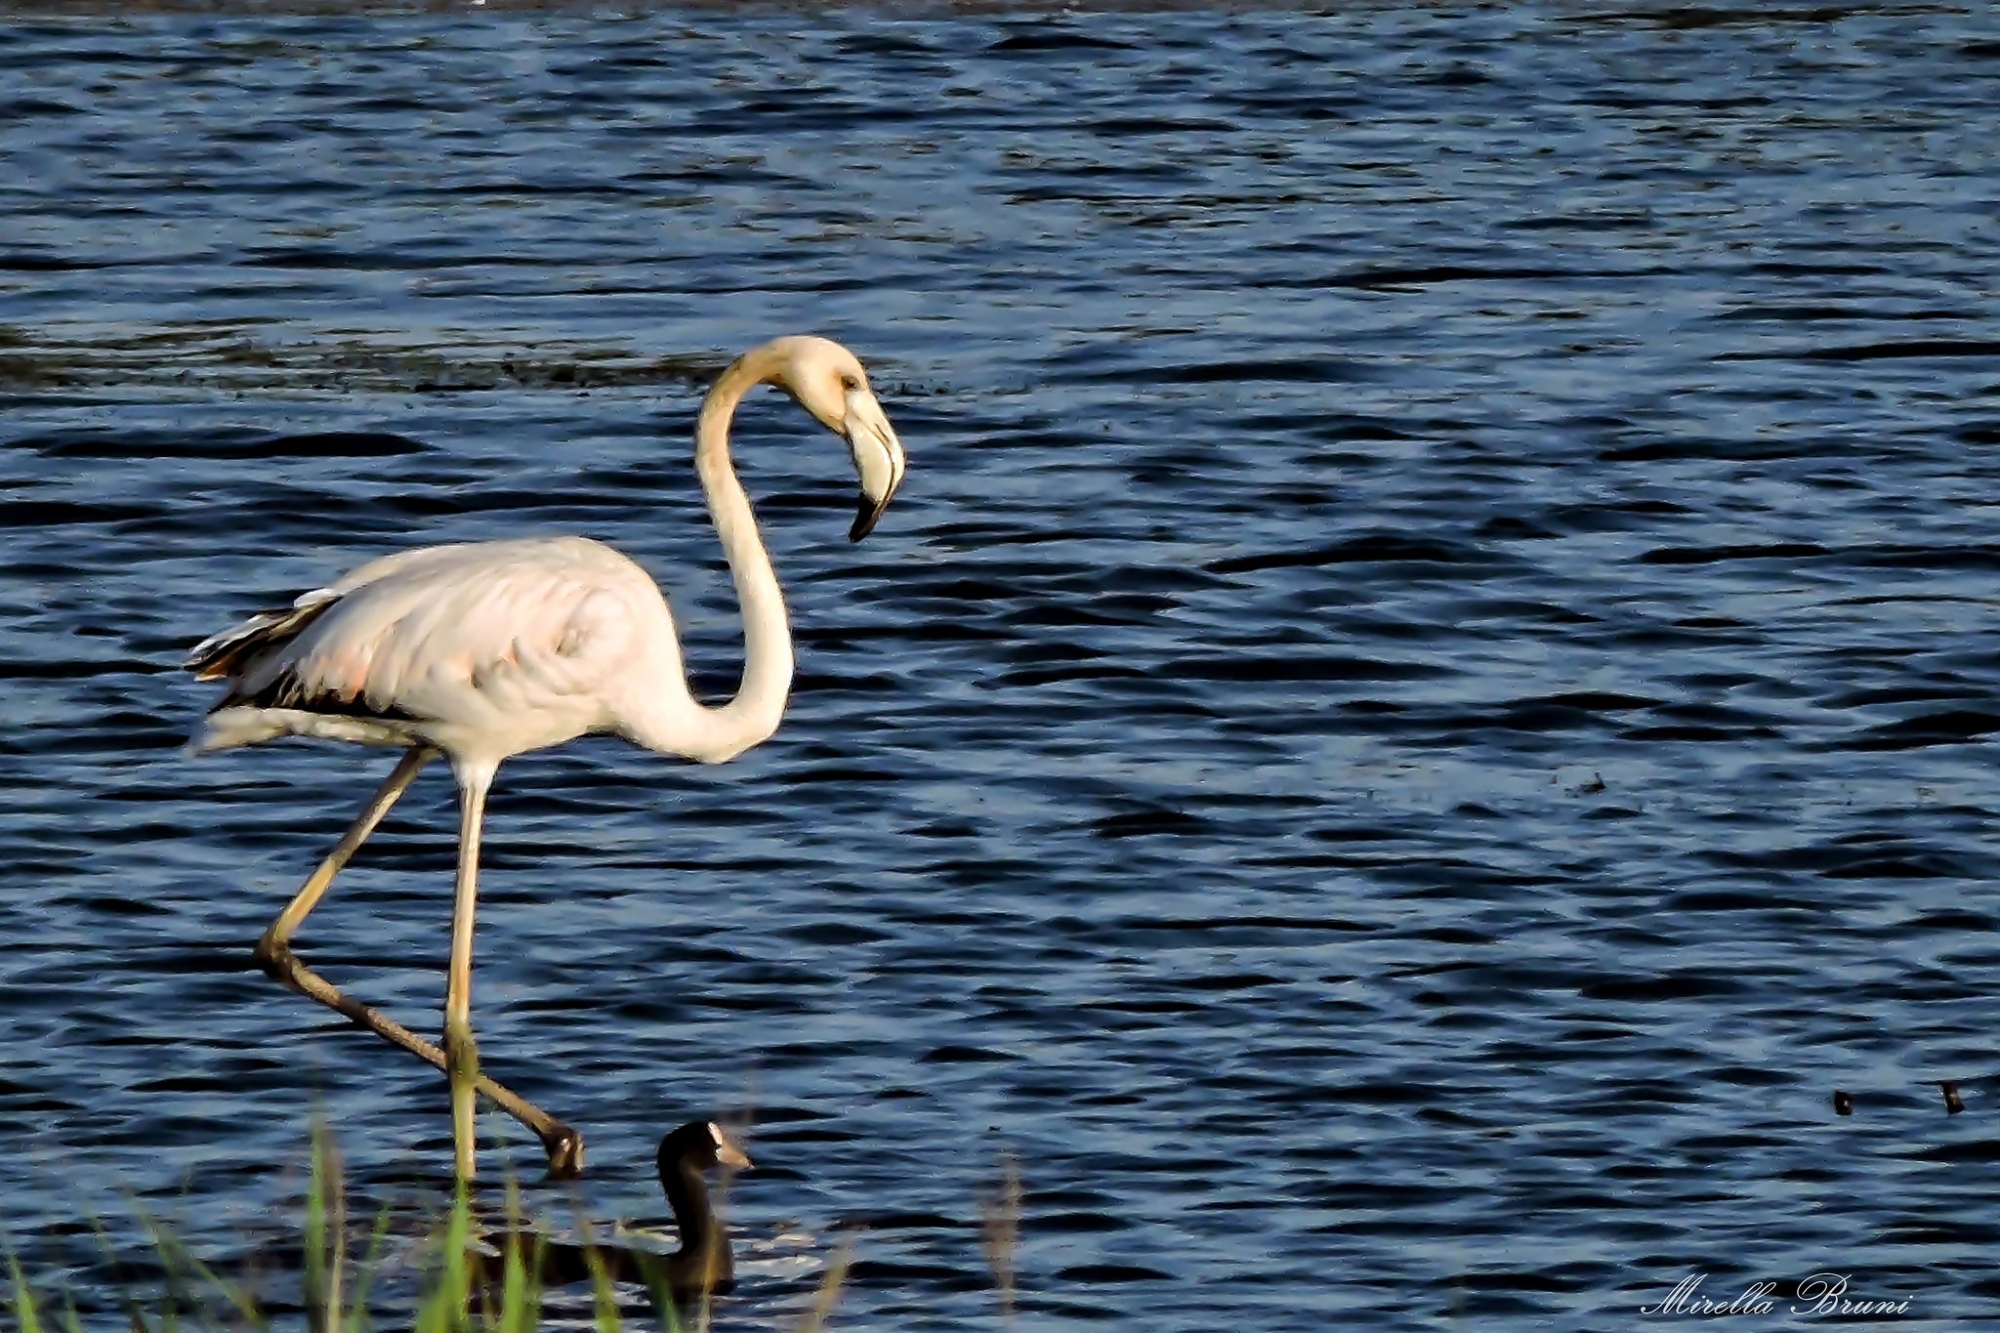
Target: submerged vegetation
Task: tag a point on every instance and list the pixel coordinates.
(465, 1284)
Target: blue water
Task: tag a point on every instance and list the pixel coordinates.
(1424, 705)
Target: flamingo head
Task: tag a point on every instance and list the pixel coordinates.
(829, 382)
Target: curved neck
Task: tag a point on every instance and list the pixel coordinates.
(701, 1235)
(753, 714)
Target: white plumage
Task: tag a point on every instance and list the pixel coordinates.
(486, 650)
(481, 651)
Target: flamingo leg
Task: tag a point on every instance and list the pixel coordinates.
(274, 955)
(461, 1053)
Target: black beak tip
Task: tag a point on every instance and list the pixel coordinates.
(864, 519)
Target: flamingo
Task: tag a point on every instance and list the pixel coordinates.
(482, 651)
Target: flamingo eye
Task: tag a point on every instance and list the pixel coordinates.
(850, 381)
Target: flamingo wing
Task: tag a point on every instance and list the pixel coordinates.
(494, 635)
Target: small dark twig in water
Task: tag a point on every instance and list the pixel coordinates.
(1842, 1103)
(1952, 1104)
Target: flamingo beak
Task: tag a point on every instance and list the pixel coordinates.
(878, 459)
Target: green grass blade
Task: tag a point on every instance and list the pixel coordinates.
(364, 1273)
(24, 1299)
(181, 1264)
(521, 1286)
(603, 1298)
(133, 1313)
(322, 1287)
(448, 1308)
